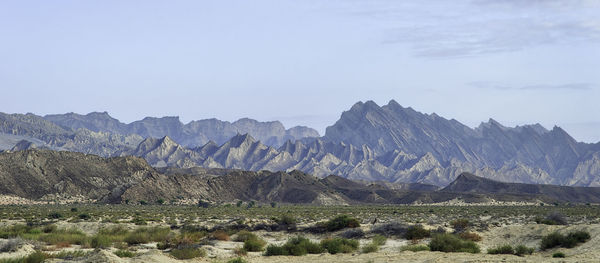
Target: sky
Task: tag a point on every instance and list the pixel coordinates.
(305, 62)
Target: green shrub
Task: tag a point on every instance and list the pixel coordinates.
(254, 244)
(137, 238)
(274, 250)
(452, 243)
(339, 245)
(370, 248)
(244, 235)
(295, 246)
(122, 253)
(101, 241)
(558, 255)
(504, 249)
(188, 253)
(521, 250)
(414, 248)
(570, 240)
(416, 232)
(341, 222)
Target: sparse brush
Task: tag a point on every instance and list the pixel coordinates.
(341, 222)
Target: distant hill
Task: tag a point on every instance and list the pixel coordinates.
(469, 183)
(47, 175)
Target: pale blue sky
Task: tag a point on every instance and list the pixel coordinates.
(304, 62)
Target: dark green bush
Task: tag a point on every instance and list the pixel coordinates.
(559, 240)
(416, 232)
(452, 243)
(341, 222)
(558, 255)
(505, 249)
(339, 245)
(521, 250)
(274, 250)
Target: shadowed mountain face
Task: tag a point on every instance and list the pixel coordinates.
(369, 142)
(195, 133)
(469, 183)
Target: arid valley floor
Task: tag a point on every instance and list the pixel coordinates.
(164, 233)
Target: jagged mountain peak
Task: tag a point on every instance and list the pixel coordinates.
(241, 139)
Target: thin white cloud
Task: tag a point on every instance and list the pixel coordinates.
(443, 29)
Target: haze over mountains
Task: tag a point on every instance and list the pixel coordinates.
(369, 142)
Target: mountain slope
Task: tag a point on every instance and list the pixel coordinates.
(469, 183)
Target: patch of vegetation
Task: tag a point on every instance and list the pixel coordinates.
(68, 255)
(188, 253)
(339, 245)
(522, 250)
(295, 246)
(378, 240)
(341, 222)
(415, 248)
(254, 244)
(36, 257)
(559, 255)
(452, 243)
(570, 240)
(416, 232)
(504, 249)
(146, 235)
(244, 235)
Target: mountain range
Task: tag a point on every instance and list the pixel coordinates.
(369, 142)
(61, 176)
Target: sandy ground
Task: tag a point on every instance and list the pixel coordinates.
(528, 234)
